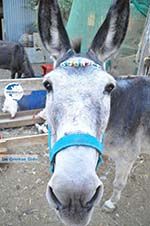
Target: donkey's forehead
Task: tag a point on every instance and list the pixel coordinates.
(79, 71)
(78, 60)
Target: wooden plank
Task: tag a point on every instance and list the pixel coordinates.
(20, 113)
(3, 150)
(28, 85)
(23, 118)
(6, 158)
(8, 143)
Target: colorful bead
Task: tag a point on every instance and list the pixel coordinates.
(79, 62)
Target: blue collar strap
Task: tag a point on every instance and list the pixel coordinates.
(73, 140)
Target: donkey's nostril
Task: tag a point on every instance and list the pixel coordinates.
(95, 197)
(53, 198)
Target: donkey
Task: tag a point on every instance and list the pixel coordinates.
(14, 58)
(85, 102)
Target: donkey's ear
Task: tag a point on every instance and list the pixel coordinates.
(112, 32)
(51, 28)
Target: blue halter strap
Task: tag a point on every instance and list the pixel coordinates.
(70, 140)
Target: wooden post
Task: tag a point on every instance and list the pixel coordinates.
(9, 143)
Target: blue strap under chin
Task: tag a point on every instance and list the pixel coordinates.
(73, 140)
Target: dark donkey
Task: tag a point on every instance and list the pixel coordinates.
(14, 58)
(78, 106)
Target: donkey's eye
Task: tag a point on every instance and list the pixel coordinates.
(109, 87)
(48, 85)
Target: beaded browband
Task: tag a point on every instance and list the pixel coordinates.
(71, 59)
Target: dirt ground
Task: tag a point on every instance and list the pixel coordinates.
(22, 190)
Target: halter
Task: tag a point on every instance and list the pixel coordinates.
(75, 139)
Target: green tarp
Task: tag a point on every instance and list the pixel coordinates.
(86, 16)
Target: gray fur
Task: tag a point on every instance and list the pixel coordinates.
(128, 130)
(14, 58)
(76, 103)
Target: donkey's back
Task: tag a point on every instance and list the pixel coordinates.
(130, 113)
(128, 132)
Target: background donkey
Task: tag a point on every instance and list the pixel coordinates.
(14, 58)
(78, 101)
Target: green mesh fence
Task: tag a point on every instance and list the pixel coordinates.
(142, 6)
(85, 18)
(125, 61)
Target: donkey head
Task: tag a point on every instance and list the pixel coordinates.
(78, 102)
